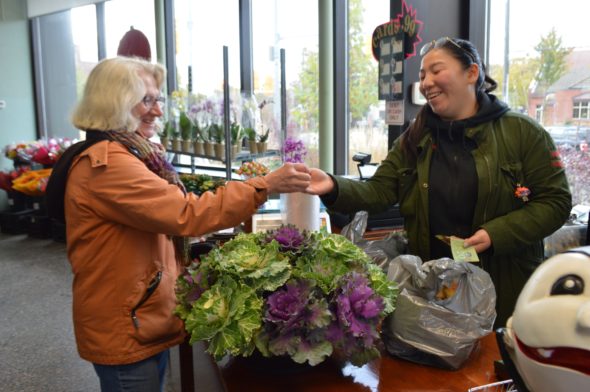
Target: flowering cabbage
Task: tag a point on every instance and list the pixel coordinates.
(287, 293)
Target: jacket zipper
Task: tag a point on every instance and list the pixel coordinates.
(149, 291)
(485, 208)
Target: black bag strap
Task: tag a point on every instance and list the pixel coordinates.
(56, 186)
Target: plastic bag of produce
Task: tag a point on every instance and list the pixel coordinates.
(442, 311)
(381, 251)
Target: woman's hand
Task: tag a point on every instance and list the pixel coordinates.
(321, 183)
(480, 240)
(291, 177)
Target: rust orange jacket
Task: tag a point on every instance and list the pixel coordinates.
(119, 215)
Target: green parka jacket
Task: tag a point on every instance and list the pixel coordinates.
(511, 151)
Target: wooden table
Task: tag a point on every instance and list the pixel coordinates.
(386, 374)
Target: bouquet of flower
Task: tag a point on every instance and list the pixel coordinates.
(48, 152)
(6, 178)
(44, 152)
(32, 182)
(21, 153)
(287, 293)
(252, 169)
(294, 150)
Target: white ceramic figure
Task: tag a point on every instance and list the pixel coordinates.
(548, 335)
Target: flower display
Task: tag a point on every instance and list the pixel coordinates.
(6, 178)
(43, 152)
(294, 151)
(21, 153)
(305, 295)
(32, 182)
(200, 183)
(252, 169)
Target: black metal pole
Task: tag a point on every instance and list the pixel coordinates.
(283, 99)
(226, 114)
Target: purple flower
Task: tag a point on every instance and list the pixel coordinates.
(287, 305)
(294, 151)
(288, 237)
(357, 309)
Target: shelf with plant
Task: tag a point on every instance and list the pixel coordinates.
(251, 135)
(186, 132)
(237, 134)
(198, 140)
(262, 144)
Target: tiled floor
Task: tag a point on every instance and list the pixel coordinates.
(37, 346)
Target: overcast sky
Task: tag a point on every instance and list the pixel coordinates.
(531, 19)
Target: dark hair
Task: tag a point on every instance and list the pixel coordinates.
(466, 53)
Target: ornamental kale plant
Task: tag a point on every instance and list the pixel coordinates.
(287, 293)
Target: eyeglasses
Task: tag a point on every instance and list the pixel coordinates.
(437, 43)
(149, 101)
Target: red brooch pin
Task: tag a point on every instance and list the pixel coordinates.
(522, 192)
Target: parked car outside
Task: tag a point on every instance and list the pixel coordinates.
(570, 136)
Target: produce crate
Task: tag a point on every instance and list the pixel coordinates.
(16, 222)
(39, 204)
(17, 201)
(39, 225)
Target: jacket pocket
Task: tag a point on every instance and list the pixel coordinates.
(151, 287)
(407, 196)
(151, 314)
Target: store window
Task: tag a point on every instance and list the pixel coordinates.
(203, 28)
(367, 129)
(548, 75)
(122, 15)
(278, 25)
(85, 43)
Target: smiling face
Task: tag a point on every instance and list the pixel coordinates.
(448, 86)
(148, 113)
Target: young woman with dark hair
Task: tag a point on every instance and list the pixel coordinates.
(466, 167)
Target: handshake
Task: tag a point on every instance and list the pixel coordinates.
(297, 177)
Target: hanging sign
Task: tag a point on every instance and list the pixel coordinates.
(394, 112)
(393, 42)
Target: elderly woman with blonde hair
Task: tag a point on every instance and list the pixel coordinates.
(127, 216)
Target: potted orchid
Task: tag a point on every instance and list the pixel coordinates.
(299, 209)
(186, 132)
(236, 138)
(262, 143)
(287, 293)
(251, 135)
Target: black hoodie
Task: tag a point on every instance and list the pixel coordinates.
(452, 191)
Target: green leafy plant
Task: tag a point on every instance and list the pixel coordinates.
(250, 134)
(197, 133)
(236, 133)
(186, 127)
(167, 130)
(264, 137)
(286, 292)
(216, 133)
